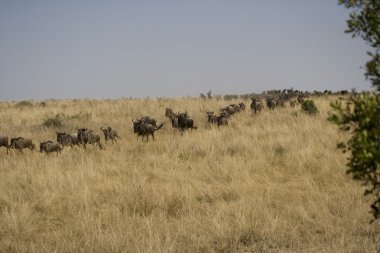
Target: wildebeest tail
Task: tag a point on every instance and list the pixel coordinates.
(159, 127)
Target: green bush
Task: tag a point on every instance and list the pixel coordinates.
(24, 103)
(55, 120)
(309, 107)
(360, 115)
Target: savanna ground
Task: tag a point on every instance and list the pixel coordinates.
(271, 182)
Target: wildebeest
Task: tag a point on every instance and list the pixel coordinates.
(21, 143)
(235, 107)
(148, 120)
(49, 146)
(255, 105)
(211, 117)
(169, 113)
(221, 121)
(67, 139)
(271, 103)
(172, 116)
(4, 142)
(86, 136)
(242, 106)
(145, 119)
(224, 113)
(110, 133)
(174, 120)
(300, 99)
(145, 129)
(185, 122)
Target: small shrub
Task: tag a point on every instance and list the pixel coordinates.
(24, 103)
(84, 116)
(55, 120)
(309, 107)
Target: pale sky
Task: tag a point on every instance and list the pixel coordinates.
(113, 49)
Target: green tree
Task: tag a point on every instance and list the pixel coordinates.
(360, 113)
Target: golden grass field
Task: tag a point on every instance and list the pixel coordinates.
(271, 182)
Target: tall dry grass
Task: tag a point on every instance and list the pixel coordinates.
(271, 182)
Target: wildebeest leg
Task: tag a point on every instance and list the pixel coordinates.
(153, 135)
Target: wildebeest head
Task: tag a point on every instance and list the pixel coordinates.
(169, 112)
(136, 123)
(4, 142)
(60, 135)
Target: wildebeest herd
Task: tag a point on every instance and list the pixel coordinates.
(146, 126)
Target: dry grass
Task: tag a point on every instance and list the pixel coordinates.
(272, 182)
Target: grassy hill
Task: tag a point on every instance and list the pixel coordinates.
(271, 182)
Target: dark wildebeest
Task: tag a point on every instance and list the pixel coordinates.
(110, 133)
(300, 99)
(174, 120)
(67, 139)
(221, 121)
(235, 107)
(169, 113)
(271, 103)
(146, 120)
(144, 129)
(172, 116)
(211, 117)
(229, 109)
(242, 106)
(21, 143)
(224, 113)
(86, 136)
(4, 142)
(255, 105)
(49, 146)
(185, 122)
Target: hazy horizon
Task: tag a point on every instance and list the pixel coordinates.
(116, 49)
